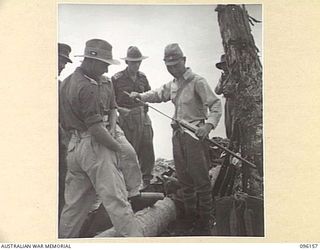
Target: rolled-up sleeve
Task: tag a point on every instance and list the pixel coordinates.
(89, 101)
(210, 100)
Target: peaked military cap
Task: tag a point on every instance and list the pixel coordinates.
(172, 54)
(64, 51)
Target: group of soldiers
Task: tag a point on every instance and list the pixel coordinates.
(106, 137)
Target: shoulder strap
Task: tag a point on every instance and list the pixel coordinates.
(179, 91)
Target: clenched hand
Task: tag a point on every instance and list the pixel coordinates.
(203, 131)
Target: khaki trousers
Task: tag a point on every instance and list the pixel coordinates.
(191, 160)
(138, 130)
(129, 164)
(92, 170)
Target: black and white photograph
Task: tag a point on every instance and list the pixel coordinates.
(154, 124)
(161, 129)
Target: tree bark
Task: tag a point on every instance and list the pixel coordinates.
(152, 220)
(245, 78)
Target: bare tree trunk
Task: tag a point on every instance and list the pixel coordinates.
(245, 71)
(152, 220)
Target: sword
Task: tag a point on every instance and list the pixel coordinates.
(193, 128)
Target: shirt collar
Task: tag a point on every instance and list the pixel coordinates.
(186, 75)
(126, 72)
(89, 78)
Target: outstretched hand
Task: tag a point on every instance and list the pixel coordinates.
(135, 95)
(203, 131)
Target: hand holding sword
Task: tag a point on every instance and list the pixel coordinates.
(203, 132)
(133, 95)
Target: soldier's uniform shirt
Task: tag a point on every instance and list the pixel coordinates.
(137, 124)
(128, 163)
(195, 103)
(82, 104)
(92, 167)
(122, 82)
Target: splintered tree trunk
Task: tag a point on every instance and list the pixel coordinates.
(246, 78)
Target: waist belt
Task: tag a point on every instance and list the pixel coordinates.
(175, 125)
(178, 130)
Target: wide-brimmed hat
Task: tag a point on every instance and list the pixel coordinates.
(100, 50)
(64, 51)
(134, 54)
(172, 54)
(222, 62)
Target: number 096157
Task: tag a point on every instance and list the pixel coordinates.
(308, 246)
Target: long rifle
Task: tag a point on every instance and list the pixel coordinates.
(193, 128)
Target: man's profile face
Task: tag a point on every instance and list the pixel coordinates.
(61, 64)
(133, 66)
(178, 69)
(99, 67)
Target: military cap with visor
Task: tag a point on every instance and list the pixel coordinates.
(172, 54)
(64, 51)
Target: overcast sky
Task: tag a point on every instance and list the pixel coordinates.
(151, 28)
